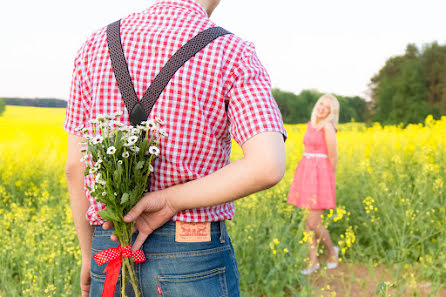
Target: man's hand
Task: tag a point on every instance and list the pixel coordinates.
(85, 278)
(150, 213)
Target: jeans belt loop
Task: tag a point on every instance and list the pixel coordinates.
(222, 231)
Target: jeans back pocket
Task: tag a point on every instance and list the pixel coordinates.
(211, 283)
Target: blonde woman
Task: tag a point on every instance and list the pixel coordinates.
(313, 186)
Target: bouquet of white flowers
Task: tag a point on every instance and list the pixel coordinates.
(120, 159)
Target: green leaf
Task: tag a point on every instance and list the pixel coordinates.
(139, 165)
(109, 215)
(124, 198)
(86, 171)
(117, 174)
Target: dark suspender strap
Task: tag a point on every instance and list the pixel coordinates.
(140, 110)
(119, 66)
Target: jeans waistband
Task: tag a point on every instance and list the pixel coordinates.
(169, 229)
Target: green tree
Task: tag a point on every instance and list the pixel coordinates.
(410, 87)
(433, 62)
(2, 106)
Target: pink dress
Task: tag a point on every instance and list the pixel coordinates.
(313, 185)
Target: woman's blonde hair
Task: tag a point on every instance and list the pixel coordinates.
(334, 112)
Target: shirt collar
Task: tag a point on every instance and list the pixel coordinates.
(185, 4)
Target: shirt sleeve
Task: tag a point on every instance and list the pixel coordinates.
(78, 102)
(252, 108)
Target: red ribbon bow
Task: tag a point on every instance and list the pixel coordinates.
(114, 258)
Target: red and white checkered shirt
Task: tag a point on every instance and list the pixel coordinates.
(222, 92)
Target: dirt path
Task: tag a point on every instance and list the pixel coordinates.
(357, 280)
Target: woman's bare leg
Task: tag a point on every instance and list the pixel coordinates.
(314, 223)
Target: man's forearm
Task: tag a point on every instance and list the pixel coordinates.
(259, 169)
(79, 205)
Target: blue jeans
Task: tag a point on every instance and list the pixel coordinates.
(176, 269)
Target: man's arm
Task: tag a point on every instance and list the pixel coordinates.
(74, 172)
(261, 167)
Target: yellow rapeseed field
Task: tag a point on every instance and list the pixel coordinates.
(390, 196)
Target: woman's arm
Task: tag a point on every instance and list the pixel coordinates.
(330, 139)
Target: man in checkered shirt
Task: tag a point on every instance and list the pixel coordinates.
(223, 92)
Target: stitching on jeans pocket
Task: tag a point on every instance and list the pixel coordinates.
(177, 284)
(188, 253)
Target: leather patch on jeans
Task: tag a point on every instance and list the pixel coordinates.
(193, 232)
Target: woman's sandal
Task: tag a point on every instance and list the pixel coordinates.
(308, 271)
(333, 265)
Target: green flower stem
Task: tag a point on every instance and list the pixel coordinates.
(126, 234)
(124, 280)
(147, 177)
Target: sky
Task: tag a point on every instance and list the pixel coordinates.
(331, 46)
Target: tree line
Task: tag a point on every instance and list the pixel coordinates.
(37, 102)
(297, 108)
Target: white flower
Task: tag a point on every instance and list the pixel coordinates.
(78, 129)
(134, 149)
(84, 130)
(117, 114)
(104, 193)
(93, 121)
(99, 161)
(93, 170)
(83, 149)
(159, 121)
(163, 132)
(108, 117)
(101, 182)
(151, 168)
(132, 139)
(102, 126)
(111, 150)
(134, 131)
(118, 123)
(141, 127)
(154, 150)
(83, 159)
(112, 124)
(151, 125)
(120, 162)
(100, 117)
(125, 154)
(124, 129)
(98, 139)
